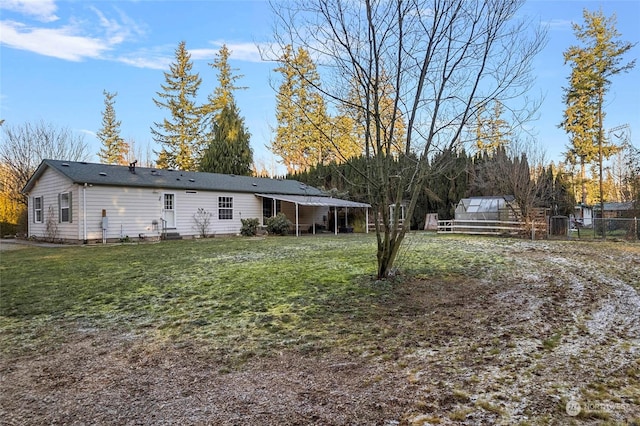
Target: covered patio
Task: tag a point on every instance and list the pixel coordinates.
(318, 203)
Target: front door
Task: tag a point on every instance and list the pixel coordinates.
(169, 210)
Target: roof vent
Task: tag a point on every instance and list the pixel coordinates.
(102, 174)
(192, 180)
(65, 164)
(254, 184)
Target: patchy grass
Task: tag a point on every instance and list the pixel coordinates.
(254, 294)
(476, 330)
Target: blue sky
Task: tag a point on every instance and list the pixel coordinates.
(57, 57)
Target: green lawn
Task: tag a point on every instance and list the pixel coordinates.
(250, 294)
(504, 330)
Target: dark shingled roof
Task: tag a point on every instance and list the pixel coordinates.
(111, 175)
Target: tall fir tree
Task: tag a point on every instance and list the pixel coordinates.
(383, 111)
(223, 94)
(114, 149)
(179, 135)
(599, 58)
(227, 140)
(302, 134)
(229, 151)
(492, 131)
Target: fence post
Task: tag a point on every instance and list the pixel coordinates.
(533, 230)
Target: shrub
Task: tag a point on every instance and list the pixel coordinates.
(278, 225)
(249, 226)
(202, 220)
(7, 228)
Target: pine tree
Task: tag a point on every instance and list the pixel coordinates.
(592, 66)
(114, 148)
(302, 134)
(229, 151)
(227, 147)
(180, 135)
(222, 95)
(492, 132)
(383, 111)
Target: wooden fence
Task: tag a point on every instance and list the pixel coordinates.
(490, 227)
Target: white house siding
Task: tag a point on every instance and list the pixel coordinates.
(131, 212)
(187, 204)
(50, 184)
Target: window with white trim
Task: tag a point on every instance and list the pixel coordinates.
(225, 208)
(37, 209)
(64, 213)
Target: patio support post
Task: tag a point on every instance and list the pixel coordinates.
(346, 217)
(297, 224)
(335, 221)
(366, 219)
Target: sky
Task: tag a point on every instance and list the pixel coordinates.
(57, 58)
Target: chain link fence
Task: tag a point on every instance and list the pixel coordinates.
(614, 228)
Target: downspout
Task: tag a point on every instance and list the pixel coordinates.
(84, 213)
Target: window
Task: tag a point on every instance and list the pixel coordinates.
(64, 204)
(37, 209)
(168, 201)
(225, 208)
(268, 205)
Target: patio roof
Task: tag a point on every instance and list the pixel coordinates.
(308, 200)
(317, 201)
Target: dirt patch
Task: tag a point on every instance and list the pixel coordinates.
(513, 346)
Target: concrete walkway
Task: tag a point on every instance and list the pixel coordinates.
(7, 244)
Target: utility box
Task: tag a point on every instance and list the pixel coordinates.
(105, 223)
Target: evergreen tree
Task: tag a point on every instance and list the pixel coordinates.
(222, 95)
(447, 183)
(493, 131)
(229, 151)
(383, 111)
(227, 147)
(302, 134)
(114, 148)
(592, 66)
(179, 135)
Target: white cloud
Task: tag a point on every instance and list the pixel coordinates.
(78, 40)
(88, 132)
(42, 10)
(143, 61)
(247, 52)
(558, 24)
(118, 31)
(57, 42)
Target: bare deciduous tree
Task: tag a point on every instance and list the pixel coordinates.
(440, 60)
(23, 147)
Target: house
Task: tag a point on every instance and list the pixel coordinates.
(582, 216)
(613, 210)
(80, 201)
